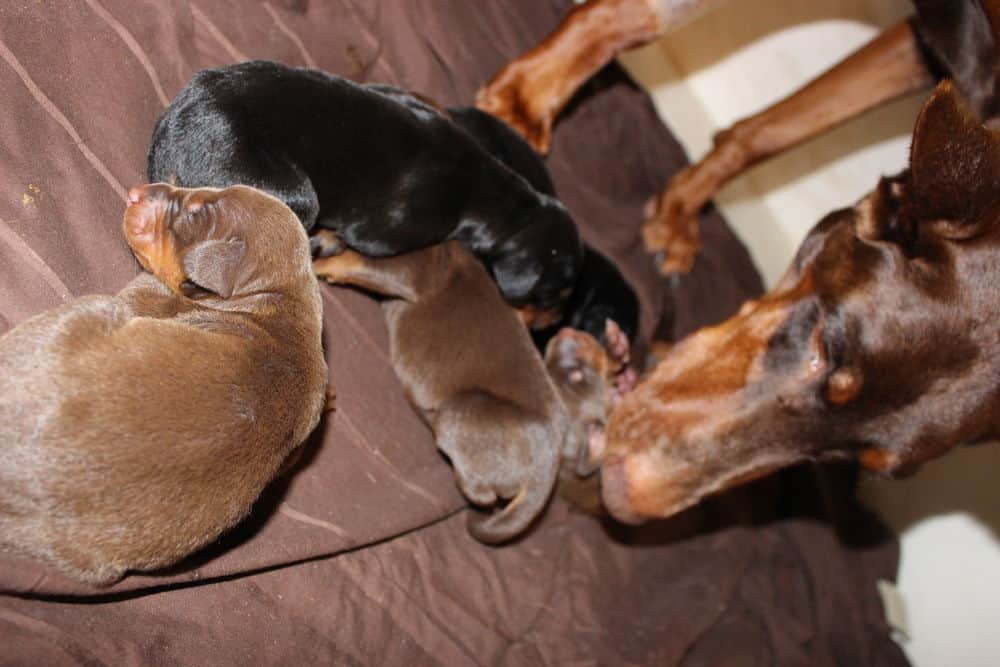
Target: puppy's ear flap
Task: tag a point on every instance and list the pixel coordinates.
(215, 265)
(517, 273)
(954, 166)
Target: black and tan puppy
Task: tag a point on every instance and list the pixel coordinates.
(600, 292)
(469, 367)
(136, 428)
(385, 172)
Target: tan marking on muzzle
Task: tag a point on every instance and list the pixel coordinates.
(534, 317)
(843, 386)
(634, 488)
(663, 434)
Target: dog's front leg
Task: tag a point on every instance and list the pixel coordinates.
(886, 68)
(531, 90)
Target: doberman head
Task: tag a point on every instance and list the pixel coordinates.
(879, 344)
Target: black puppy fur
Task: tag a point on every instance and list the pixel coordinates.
(384, 171)
(600, 292)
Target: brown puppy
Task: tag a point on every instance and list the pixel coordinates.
(136, 428)
(590, 379)
(469, 367)
(879, 344)
(953, 38)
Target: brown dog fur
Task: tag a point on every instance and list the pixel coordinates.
(885, 69)
(878, 345)
(469, 367)
(529, 92)
(946, 39)
(136, 428)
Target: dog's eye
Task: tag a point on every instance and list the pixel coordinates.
(815, 362)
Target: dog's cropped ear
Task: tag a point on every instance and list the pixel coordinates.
(954, 166)
(214, 265)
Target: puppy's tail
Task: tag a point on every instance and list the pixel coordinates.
(522, 510)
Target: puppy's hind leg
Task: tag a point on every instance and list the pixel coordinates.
(325, 243)
(498, 451)
(397, 277)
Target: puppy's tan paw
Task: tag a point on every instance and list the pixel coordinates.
(510, 98)
(337, 268)
(325, 243)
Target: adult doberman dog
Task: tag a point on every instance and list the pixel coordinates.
(948, 38)
(877, 345)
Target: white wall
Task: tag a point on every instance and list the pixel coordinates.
(733, 62)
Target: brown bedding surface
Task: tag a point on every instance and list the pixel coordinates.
(361, 555)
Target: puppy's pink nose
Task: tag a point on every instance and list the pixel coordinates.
(149, 193)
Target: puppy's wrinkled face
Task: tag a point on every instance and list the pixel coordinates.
(877, 345)
(206, 242)
(585, 374)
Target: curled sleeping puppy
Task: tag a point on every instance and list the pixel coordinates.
(590, 379)
(383, 171)
(468, 366)
(136, 428)
(600, 291)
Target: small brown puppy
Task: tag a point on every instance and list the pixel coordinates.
(469, 367)
(136, 428)
(590, 379)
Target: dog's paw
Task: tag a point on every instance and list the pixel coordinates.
(616, 343)
(324, 243)
(671, 233)
(476, 491)
(510, 98)
(338, 268)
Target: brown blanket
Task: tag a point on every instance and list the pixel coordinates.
(359, 557)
